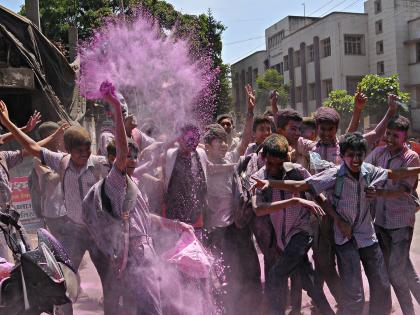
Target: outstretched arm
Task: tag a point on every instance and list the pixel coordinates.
(177, 226)
(264, 208)
(360, 100)
(247, 132)
(403, 172)
(288, 185)
(34, 120)
(27, 143)
(274, 98)
(121, 145)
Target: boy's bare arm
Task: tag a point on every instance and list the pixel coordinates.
(34, 120)
(247, 132)
(288, 185)
(274, 98)
(403, 172)
(121, 144)
(360, 100)
(27, 143)
(380, 128)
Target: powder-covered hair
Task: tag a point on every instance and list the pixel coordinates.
(275, 146)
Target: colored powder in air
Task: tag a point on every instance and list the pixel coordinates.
(156, 73)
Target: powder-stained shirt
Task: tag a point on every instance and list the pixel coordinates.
(252, 148)
(77, 181)
(352, 206)
(397, 212)
(12, 159)
(288, 221)
(116, 190)
(186, 194)
(219, 194)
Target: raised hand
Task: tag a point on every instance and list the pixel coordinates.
(360, 100)
(274, 97)
(107, 91)
(4, 113)
(393, 102)
(312, 206)
(250, 95)
(34, 120)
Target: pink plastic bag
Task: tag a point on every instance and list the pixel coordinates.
(190, 257)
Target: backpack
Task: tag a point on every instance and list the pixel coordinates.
(109, 232)
(338, 190)
(242, 207)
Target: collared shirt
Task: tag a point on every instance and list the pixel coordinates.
(116, 190)
(352, 206)
(219, 194)
(291, 220)
(12, 159)
(393, 213)
(77, 182)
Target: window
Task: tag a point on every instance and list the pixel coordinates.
(377, 6)
(276, 39)
(311, 55)
(297, 58)
(351, 83)
(311, 90)
(281, 34)
(281, 68)
(417, 52)
(298, 94)
(380, 47)
(255, 74)
(354, 44)
(286, 63)
(326, 47)
(380, 67)
(327, 87)
(378, 27)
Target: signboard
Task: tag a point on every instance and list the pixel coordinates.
(21, 200)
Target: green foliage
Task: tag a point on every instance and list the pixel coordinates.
(203, 31)
(377, 89)
(340, 101)
(271, 80)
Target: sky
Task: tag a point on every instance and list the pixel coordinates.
(246, 20)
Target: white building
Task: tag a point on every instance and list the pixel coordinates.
(317, 55)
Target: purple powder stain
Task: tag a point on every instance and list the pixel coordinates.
(160, 76)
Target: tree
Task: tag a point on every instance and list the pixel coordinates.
(377, 88)
(203, 31)
(342, 103)
(269, 81)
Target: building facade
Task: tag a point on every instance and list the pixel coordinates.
(317, 55)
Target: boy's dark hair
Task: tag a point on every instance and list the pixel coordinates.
(354, 141)
(76, 136)
(214, 131)
(285, 115)
(150, 129)
(259, 120)
(399, 123)
(132, 146)
(47, 128)
(308, 123)
(275, 146)
(327, 115)
(224, 116)
(111, 149)
(188, 127)
(268, 112)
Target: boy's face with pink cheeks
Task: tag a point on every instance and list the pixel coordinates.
(189, 140)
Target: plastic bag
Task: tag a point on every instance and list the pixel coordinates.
(190, 257)
(317, 164)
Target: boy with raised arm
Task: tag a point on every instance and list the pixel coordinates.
(79, 171)
(348, 186)
(132, 256)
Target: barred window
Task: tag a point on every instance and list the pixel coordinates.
(354, 44)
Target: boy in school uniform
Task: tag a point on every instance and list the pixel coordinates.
(348, 186)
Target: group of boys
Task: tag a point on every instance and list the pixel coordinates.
(324, 195)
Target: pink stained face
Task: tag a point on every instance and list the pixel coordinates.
(189, 140)
(291, 131)
(395, 139)
(354, 159)
(262, 132)
(327, 133)
(217, 148)
(80, 155)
